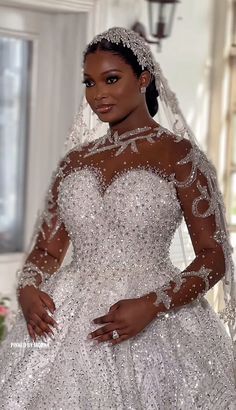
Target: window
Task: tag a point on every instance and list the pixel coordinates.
(230, 176)
(15, 55)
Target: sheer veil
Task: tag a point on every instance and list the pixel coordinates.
(87, 128)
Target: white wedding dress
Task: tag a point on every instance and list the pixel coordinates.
(121, 238)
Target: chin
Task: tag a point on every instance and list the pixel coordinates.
(108, 118)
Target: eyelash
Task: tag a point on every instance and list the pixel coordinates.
(86, 82)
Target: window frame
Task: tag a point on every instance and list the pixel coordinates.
(230, 167)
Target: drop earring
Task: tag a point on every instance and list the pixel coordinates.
(143, 90)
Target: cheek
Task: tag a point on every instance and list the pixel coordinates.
(89, 96)
(127, 93)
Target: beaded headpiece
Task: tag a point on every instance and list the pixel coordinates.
(129, 39)
(145, 58)
(81, 133)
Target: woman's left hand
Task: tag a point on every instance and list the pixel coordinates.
(128, 317)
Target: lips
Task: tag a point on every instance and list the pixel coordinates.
(103, 109)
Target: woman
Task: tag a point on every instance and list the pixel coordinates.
(134, 331)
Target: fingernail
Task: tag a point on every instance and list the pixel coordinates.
(51, 328)
(89, 336)
(51, 336)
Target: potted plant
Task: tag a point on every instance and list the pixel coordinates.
(4, 312)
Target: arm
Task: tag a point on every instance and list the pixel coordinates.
(194, 178)
(51, 239)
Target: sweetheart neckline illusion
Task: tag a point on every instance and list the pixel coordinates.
(100, 179)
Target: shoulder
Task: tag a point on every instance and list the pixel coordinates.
(180, 156)
(176, 146)
(170, 149)
(189, 162)
(75, 158)
(181, 150)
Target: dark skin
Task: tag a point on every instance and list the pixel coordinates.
(110, 80)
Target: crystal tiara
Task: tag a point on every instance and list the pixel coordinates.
(129, 39)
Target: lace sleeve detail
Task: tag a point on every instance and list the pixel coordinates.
(203, 208)
(178, 281)
(50, 239)
(50, 217)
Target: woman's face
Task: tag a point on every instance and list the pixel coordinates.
(112, 88)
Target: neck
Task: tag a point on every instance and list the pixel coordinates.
(133, 121)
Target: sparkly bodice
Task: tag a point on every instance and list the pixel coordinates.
(120, 200)
(133, 220)
(120, 210)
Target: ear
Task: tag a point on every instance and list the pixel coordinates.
(145, 79)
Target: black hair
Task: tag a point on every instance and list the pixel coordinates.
(128, 56)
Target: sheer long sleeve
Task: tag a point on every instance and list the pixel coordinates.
(203, 209)
(50, 239)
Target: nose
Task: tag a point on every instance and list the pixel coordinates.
(100, 93)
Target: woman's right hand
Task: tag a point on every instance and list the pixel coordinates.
(34, 304)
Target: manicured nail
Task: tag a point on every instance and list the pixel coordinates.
(51, 337)
(51, 330)
(89, 337)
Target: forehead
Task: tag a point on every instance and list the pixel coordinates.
(101, 61)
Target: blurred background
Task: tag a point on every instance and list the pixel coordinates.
(41, 44)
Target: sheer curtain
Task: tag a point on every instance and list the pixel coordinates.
(15, 54)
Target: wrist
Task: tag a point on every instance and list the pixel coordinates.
(21, 289)
(30, 275)
(150, 300)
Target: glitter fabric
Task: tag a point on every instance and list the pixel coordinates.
(120, 213)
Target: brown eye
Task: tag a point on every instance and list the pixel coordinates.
(87, 83)
(112, 79)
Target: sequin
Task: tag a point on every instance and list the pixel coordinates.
(121, 231)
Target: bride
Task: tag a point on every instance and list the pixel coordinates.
(124, 328)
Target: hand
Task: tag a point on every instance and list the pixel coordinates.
(34, 303)
(128, 317)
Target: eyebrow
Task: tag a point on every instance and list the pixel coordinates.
(105, 72)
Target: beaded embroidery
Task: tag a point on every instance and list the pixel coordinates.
(121, 241)
(162, 295)
(197, 159)
(129, 39)
(27, 276)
